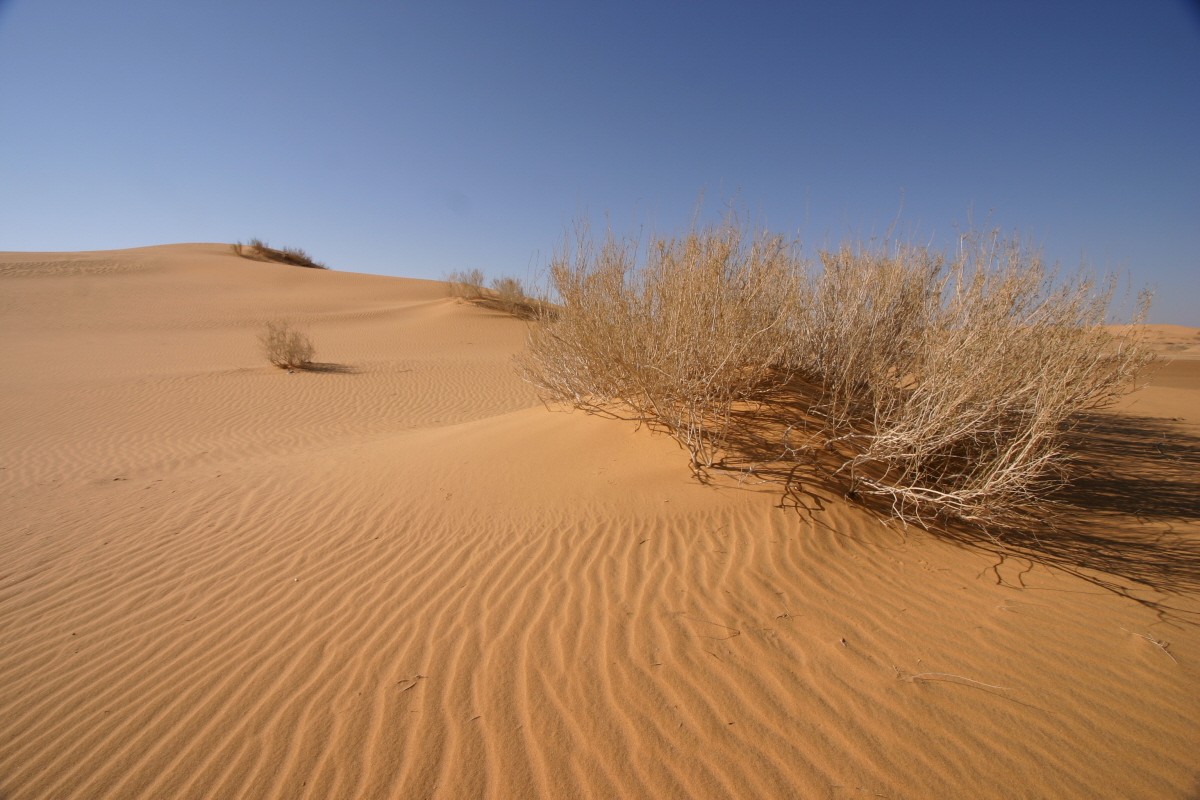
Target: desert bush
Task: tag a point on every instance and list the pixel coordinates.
(285, 346)
(509, 295)
(947, 385)
(508, 290)
(677, 341)
(467, 284)
(943, 385)
(259, 250)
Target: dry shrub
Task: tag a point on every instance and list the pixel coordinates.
(943, 385)
(508, 291)
(509, 295)
(285, 346)
(506, 294)
(676, 341)
(259, 250)
(467, 284)
(947, 386)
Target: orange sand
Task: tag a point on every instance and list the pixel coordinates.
(402, 577)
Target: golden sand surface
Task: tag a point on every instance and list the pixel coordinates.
(400, 576)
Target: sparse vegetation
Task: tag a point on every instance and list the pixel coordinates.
(286, 346)
(507, 294)
(258, 250)
(467, 284)
(942, 385)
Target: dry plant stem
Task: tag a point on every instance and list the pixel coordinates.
(945, 676)
(1159, 643)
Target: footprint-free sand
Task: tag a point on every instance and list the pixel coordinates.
(401, 576)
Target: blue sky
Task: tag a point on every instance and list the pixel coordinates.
(417, 138)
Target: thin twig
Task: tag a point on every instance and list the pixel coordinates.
(945, 676)
(1159, 643)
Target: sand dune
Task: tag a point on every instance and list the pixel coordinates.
(402, 577)
(1173, 341)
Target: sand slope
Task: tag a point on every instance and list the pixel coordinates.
(403, 577)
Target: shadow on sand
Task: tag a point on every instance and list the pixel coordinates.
(1135, 482)
(337, 369)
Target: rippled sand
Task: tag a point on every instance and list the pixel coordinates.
(403, 577)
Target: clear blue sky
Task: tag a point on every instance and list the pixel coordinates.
(416, 138)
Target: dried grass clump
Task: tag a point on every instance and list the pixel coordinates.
(676, 341)
(507, 294)
(259, 250)
(467, 284)
(947, 386)
(285, 346)
(944, 386)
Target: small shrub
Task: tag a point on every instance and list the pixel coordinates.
(285, 346)
(507, 289)
(259, 250)
(507, 294)
(467, 284)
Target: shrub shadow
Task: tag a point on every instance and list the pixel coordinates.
(1144, 466)
(526, 309)
(1133, 482)
(338, 369)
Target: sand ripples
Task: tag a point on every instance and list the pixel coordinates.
(287, 640)
(404, 582)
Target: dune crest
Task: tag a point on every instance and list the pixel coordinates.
(401, 576)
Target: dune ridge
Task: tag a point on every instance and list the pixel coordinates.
(406, 578)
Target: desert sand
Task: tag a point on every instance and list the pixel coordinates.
(401, 576)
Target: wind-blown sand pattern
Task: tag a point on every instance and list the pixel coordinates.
(402, 577)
